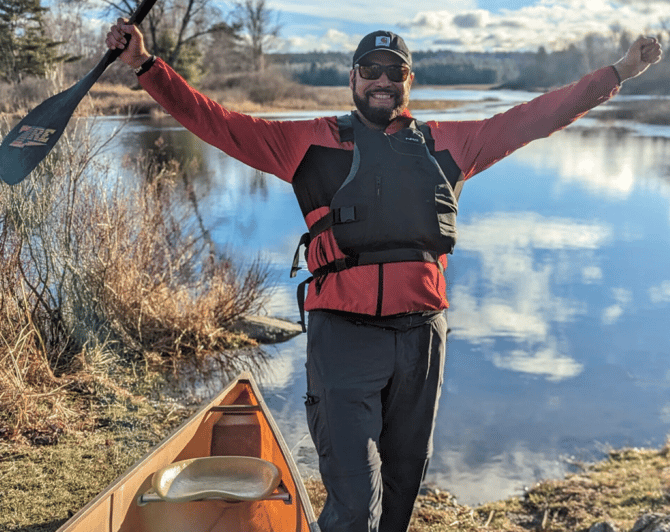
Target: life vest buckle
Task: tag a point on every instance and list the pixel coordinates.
(346, 215)
(340, 264)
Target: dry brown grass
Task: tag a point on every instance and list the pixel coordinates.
(95, 276)
(630, 483)
(247, 94)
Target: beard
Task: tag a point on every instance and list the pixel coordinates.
(381, 116)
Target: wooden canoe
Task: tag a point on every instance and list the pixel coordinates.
(237, 423)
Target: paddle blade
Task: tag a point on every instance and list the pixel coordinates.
(33, 138)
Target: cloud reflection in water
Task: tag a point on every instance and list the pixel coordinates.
(514, 299)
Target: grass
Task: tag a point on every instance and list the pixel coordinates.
(251, 93)
(41, 486)
(618, 490)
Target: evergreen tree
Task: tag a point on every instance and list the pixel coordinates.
(24, 48)
(187, 61)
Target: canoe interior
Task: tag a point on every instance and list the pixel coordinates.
(216, 430)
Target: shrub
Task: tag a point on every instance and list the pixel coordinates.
(95, 274)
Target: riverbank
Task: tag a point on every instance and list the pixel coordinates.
(106, 99)
(44, 483)
(116, 99)
(609, 496)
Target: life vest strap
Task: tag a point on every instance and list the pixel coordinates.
(305, 239)
(301, 302)
(342, 215)
(373, 257)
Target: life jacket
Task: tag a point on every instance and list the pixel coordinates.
(395, 205)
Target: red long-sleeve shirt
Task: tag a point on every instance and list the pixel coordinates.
(310, 155)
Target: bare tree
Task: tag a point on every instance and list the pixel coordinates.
(70, 20)
(176, 28)
(260, 27)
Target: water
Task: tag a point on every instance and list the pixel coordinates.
(560, 294)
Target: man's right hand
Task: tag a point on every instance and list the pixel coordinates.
(134, 52)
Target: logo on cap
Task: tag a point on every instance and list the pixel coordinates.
(383, 41)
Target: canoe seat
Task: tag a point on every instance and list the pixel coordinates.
(231, 478)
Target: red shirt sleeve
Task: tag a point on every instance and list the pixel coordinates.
(275, 147)
(476, 145)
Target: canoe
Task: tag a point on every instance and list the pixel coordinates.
(227, 468)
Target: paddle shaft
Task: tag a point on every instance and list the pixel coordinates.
(25, 146)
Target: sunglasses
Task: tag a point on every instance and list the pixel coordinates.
(395, 73)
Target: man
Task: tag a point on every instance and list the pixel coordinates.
(379, 195)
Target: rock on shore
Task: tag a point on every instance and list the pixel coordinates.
(646, 523)
(267, 330)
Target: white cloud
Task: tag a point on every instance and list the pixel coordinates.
(622, 297)
(591, 274)
(494, 478)
(332, 39)
(552, 23)
(660, 293)
(545, 361)
(462, 26)
(665, 413)
(383, 13)
(529, 230)
(602, 163)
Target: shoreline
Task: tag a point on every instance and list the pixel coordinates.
(326, 99)
(41, 484)
(106, 99)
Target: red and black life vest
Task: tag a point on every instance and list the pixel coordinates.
(395, 205)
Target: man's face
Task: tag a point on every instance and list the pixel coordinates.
(381, 100)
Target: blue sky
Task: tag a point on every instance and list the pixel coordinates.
(476, 25)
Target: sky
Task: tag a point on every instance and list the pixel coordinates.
(463, 25)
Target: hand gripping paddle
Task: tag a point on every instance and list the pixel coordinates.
(33, 138)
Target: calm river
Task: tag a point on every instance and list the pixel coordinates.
(559, 286)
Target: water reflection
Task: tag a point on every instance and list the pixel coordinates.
(608, 164)
(510, 298)
(560, 298)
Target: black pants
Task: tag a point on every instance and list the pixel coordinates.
(371, 404)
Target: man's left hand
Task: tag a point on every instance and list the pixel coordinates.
(644, 52)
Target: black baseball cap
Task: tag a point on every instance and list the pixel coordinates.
(382, 40)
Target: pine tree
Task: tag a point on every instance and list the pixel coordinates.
(24, 48)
